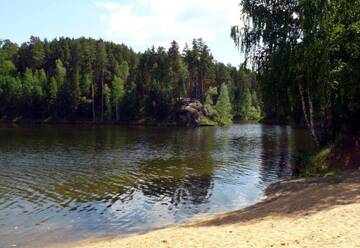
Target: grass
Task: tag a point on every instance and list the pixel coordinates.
(315, 163)
(207, 122)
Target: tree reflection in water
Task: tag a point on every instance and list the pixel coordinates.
(60, 182)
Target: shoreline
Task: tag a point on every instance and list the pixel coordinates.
(96, 123)
(135, 123)
(320, 212)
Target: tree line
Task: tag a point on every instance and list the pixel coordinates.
(307, 57)
(87, 79)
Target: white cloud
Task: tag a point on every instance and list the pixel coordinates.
(143, 23)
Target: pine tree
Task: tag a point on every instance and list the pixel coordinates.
(100, 73)
(175, 63)
(74, 91)
(122, 71)
(40, 82)
(118, 86)
(37, 53)
(65, 76)
(85, 85)
(118, 93)
(209, 103)
(27, 92)
(107, 102)
(184, 77)
(39, 90)
(10, 96)
(246, 104)
(60, 73)
(52, 95)
(62, 96)
(74, 82)
(53, 90)
(41, 78)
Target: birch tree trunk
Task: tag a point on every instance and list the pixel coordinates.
(308, 114)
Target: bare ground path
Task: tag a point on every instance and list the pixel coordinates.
(297, 213)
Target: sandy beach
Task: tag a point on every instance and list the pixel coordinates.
(296, 213)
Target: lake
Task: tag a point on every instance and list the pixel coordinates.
(67, 183)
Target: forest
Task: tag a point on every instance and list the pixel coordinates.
(95, 80)
(307, 57)
(105, 145)
(302, 67)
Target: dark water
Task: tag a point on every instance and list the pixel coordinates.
(69, 183)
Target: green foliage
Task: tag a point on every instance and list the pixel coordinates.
(249, 106)
(93, 79)
(27, 86)
(85, 85)
(178, 71)
(6, 67)
(183, 79)
(314, 163)
(74, 82)
(246, 104)
(107, 100)
(118, 92)
(159, 103)
(52, 93)
(10, 95)
(205, 121)
(74, 91)
(123, 71)
(41, 79)
(118, 87)
(130, 104)
(209, 103)
(37, 52)
(63, 96)
(53, 90)
(307, 54)
(60, 73)
(223, 107)
(39, 84)
(201, 69)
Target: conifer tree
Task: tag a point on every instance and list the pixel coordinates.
(223, 106)
(52, 95)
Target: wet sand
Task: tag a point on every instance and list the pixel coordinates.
(296, 213)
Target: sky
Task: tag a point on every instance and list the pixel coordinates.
(139, 24)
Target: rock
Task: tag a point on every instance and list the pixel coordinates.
(190, 112)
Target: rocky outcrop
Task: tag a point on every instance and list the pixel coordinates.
(190, 112)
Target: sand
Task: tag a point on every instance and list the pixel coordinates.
(297, 213)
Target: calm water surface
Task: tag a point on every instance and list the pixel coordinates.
(68, 183)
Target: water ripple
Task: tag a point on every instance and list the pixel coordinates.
(93, 181)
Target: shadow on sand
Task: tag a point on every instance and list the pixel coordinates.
(296, 198)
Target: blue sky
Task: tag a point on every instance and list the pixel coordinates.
(138, 23)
